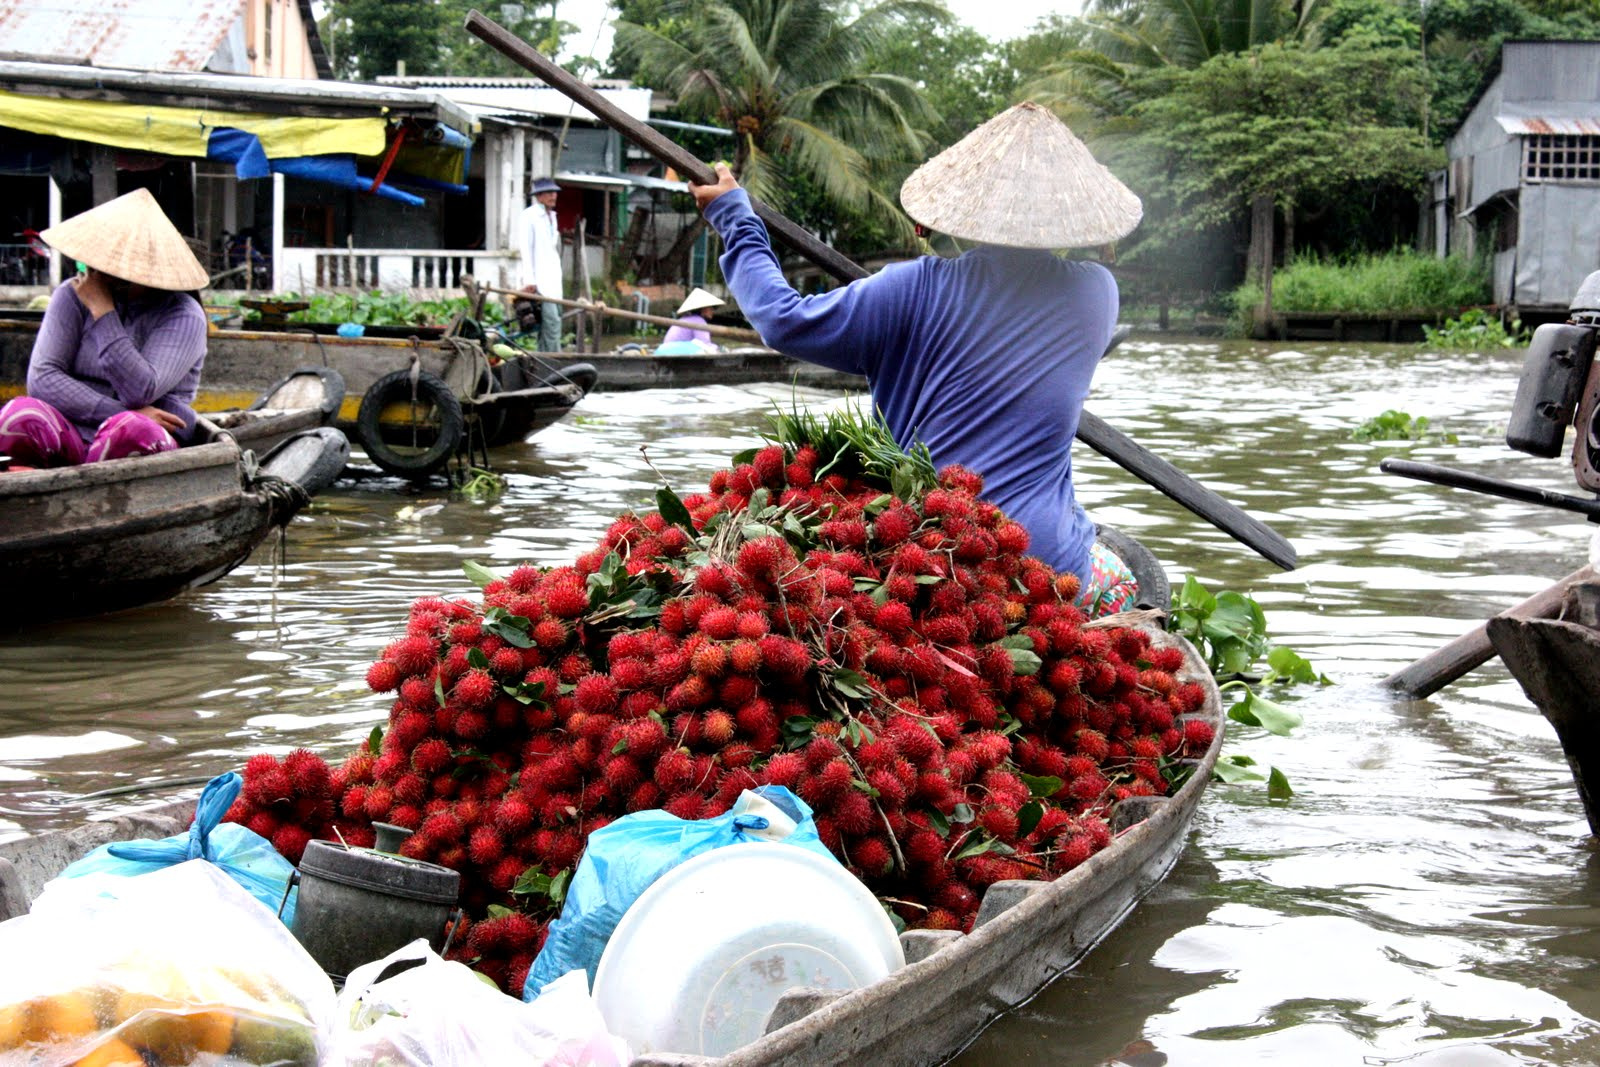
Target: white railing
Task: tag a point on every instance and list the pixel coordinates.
(416, 271)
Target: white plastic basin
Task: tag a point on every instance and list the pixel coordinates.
(697, 963)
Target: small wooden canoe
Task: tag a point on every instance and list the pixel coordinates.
(624, 371)
(953, 984)
(102, 536)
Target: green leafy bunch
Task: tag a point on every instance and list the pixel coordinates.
(854, 444)
(1230, 630)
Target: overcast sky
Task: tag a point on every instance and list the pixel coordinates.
(997, 19)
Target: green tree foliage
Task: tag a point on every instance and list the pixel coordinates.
(370, 38)
(535, 21)
(1282, 121)
(1122, 38)
(963, 75)
(790, 78)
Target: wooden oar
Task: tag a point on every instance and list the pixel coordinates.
(1473, 649)
(1111, 443)
(733, 333)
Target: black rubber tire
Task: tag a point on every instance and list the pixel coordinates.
(583, 375)
(425, 445)
(1155, 589)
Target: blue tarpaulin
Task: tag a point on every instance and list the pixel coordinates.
(250, 160)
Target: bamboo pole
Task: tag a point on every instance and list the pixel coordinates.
(734, 333)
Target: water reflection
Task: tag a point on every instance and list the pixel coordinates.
(1431, 894)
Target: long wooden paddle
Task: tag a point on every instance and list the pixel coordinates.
(1104, 439)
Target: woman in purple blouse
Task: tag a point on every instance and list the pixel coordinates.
(117, 361)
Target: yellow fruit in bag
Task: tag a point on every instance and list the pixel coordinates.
(13, 1019)
(177, 1034)
(111, 1053)
(60, 1018)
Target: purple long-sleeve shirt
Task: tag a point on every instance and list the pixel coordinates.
(985, 358)
(145, 352)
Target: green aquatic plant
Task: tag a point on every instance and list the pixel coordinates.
(481, 485)
(1395, 425)
(1230, 630)
(1475, 330)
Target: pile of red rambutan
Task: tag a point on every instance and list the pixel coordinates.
(867, 634)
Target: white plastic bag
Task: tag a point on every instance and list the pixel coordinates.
(181, 965)
(441, 1013)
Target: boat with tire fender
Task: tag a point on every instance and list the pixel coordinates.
(410, 402)
(98, 537)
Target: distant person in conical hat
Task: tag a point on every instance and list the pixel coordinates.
(986, 358)
(116, 364)
(694, 309)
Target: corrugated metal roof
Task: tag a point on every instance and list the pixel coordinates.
(131, 34)
(1520, 124)
(536, 100)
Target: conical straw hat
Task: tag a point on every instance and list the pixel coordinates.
(130, 238)
(696, 300)
(1021, 179)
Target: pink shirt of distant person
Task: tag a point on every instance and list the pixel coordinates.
(685, 333)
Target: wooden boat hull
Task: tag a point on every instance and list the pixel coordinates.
(97, 537)
(620, 372)
(953, 984)
(1557, 662)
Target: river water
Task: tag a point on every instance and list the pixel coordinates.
(1430, 895)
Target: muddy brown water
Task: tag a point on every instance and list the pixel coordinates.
(1430, 895)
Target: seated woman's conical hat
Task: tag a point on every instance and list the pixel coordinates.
(1021, 179)
(130, 238)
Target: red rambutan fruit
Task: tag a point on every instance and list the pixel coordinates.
(744, 656)
(784, 657)
(431, 756)
(290, 842)
(264, 824)
(268, 786)
(474, 689)
(596, 694)
(873, 856)
(1197, 735)
(550, 634)
(383, 676)
(783, 769)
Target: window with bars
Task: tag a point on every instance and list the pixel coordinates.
(1561, 157)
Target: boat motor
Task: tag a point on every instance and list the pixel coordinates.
(1559, 387)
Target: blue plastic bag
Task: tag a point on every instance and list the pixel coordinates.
(625, 858)
(244, 855)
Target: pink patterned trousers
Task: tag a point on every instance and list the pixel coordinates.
(36, 434)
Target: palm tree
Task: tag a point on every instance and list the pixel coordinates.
(1125, 37)
(788, 77)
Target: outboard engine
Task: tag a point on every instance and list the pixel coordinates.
(1559, 387)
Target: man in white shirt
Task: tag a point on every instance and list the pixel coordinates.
(541, 264)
